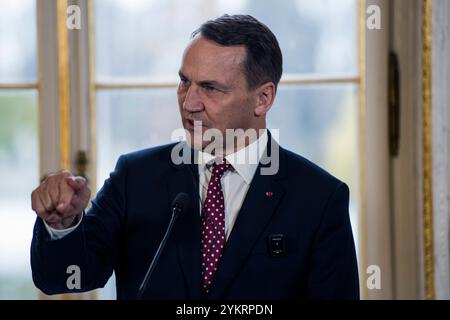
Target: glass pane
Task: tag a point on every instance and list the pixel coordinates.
(129, 120)
(145, 39)
(18, 54)
(320, 122)
(19, 169)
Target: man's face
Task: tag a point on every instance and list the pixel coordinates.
(213, 88)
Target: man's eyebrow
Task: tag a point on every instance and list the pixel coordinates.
(213, 83)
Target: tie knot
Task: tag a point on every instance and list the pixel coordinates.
(219, 167)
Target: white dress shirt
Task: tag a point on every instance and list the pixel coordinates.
(56, 234)
(235, 182)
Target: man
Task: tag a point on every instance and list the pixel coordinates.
(244, 235)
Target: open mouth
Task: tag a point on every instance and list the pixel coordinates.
(189, 124)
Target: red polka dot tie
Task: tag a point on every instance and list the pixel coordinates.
(213, 224)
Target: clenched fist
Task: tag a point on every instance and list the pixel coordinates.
(60, 199)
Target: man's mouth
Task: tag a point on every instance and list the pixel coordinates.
(190, 124)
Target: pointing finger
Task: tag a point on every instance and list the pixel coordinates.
(76, 183)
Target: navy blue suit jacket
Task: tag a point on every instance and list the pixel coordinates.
(128, 218)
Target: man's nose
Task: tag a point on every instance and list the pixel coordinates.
(192, 101)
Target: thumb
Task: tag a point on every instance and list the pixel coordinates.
(76, 183)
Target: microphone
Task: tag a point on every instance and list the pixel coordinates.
(179, 204)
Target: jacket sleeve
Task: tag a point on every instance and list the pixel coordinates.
(92, 248)
(333, 270)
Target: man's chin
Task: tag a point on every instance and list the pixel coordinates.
(194, 140)
(213, 144)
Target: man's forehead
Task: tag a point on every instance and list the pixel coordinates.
(212, 54)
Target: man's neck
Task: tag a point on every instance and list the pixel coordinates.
(238, 142)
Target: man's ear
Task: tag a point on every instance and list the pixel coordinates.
(265, 96)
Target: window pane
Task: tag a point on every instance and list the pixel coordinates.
(320, 122)
(19, 172)
(129, 120)
(145, 39)
(18, 41)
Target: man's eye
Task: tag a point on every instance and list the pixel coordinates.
(184, 82)
(209, 88)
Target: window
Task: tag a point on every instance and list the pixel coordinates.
(19, 145)
(138, 47)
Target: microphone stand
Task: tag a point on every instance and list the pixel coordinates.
(175, 211)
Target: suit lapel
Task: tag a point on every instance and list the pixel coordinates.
(260, 203)
(187, 233)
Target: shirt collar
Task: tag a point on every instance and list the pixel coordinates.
(245, 161)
